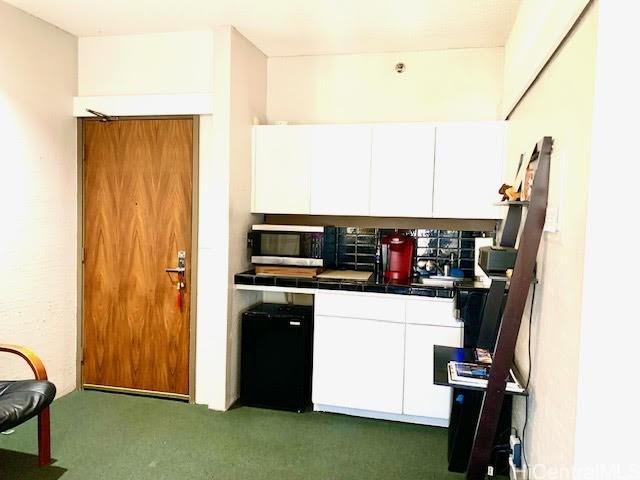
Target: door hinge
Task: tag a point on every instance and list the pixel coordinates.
(84, 251)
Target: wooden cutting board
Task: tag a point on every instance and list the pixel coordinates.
(270, 271)
(345, 275)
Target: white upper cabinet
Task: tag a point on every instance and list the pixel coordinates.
(468, 170)
(282, 169)
(386, 170)
(402, 157)
(340, 167)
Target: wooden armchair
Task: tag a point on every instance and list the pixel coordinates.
(23, 400)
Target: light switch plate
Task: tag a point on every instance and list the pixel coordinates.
(551, 223)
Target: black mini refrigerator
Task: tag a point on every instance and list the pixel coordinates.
(277, 352)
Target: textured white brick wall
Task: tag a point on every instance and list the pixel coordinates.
(38, 71)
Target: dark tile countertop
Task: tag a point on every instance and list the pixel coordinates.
(371, 286)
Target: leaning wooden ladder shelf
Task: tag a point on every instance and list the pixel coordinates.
(503, 354)
(509, 326)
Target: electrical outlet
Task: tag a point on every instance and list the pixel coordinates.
(515, 473)
(551, 223)
(517, 465)
(516, 450)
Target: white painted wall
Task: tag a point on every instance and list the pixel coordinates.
(537, 31)
(176, 64)
(213, 237)
(441, 85)
(161, 63)
(212, 260)
(248, 102)
(147, 105)
(608, 422)
(225, 202)
(560, 104)
(38, 199)
(224, 64)
(153, 74)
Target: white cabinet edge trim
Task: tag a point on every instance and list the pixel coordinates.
(287, 228)
(267, 288)
(396, 417)
(316, 291)
(383, 295)
(454, 324)
(351, 317)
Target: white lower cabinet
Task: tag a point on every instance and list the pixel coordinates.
(358, 363)
(369, 361)
(421, 397)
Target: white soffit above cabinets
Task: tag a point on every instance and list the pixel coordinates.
(295, 27)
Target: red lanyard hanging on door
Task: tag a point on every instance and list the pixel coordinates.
(181, 283)
(180, 286)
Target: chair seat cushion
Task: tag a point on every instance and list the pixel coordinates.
(22, 400)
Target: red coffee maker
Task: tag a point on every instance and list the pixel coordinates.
(397, 257)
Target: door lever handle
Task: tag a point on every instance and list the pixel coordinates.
(182, 263)
(175, 270)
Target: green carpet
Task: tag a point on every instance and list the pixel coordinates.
(106, 436)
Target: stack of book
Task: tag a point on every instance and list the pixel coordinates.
(477, 375)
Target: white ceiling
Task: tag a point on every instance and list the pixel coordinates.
(297, 27)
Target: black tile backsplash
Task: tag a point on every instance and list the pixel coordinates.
(357, 247)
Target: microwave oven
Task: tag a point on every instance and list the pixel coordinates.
(296, 245)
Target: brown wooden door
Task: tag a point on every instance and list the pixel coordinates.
(137, 216)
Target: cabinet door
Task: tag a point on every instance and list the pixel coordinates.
(468, 170)
(340, 166)
(358, 363)
(281, 169)
(402, 170)
(383, 307)
(421, 396)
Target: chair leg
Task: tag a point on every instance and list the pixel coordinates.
(44, 438)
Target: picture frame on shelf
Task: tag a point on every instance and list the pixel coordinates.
(527, 184)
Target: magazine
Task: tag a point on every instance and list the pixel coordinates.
(477, 375)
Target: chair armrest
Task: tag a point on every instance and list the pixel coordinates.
(30, 357)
